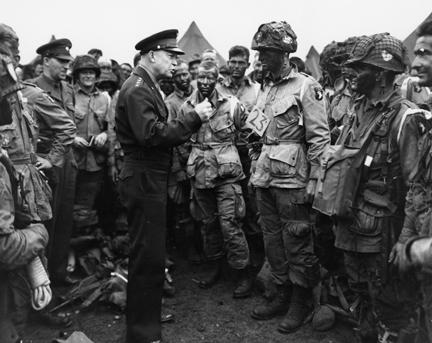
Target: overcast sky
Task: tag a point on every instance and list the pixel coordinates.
(115, 26)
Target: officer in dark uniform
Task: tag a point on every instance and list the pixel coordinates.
(147, 138)
(56, 59)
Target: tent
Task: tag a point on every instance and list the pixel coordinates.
(194, 43)
(409, 42)
(312, 63)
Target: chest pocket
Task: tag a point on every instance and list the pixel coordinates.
(286, 112)
(222, 127)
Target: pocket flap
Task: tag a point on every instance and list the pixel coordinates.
(287, 154)
(220, 123)
(125, 173)
(281, 106)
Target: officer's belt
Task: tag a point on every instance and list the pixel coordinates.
(283, 141)
(209, 146)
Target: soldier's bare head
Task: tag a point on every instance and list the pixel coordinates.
(208, 73)
(422, 64)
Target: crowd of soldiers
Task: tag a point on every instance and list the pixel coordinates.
(325, 184)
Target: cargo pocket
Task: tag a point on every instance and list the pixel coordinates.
(228, 162)
(368, 219)
(298, 229)
(283, 161)
(191, 165)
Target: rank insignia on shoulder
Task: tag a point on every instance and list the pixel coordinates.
(138, 82)
(319, 93)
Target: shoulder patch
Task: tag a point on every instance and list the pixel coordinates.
(319, 93)
(138, 82)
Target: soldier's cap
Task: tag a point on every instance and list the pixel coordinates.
(164, 40)
(196, 58)
(58, 48)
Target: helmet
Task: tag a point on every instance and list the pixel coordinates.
(334, 56)
(85, 62)
(9, 39)
(380, 50)
(108, 76)
(275, 35)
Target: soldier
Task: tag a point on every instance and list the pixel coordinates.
(146, 139)
(41, 121)
(90, 144)
(293, 124)
(215, 170)
(56, 60)
(241, 86)
(411, 250)
(25, 203)
(20, 242)
(178, 184)
(382, 132)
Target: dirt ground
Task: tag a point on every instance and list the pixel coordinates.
(210, 316)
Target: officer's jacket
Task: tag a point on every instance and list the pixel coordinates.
(91, 118)
(56, 129)
(174, 101)
(141, 121)
(297, 133)
(115, 152)
(62, 92)
(18, 244)
(386, 172)
(214, 159)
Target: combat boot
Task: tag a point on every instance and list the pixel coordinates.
(214, 272)
(298, 310)
(244, 284)
(275, 307)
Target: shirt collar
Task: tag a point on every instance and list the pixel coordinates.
(215, 99)
(228, 82)
(79, 89)
(182, 94)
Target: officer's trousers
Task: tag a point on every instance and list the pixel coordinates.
(61, 226)
(143, 191)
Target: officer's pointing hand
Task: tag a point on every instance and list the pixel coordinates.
(204, 110)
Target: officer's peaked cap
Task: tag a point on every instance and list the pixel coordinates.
(164, 40)
(58, 48)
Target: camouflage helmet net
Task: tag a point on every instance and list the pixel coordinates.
(276, 36)
(380, 50)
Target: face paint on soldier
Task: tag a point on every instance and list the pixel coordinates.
(164, 63)
(206, 81)
(56, 68)
(272, 61)
(363, 79)
(182, 77)
(237, 66)
(87, 79)
(422, 63)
